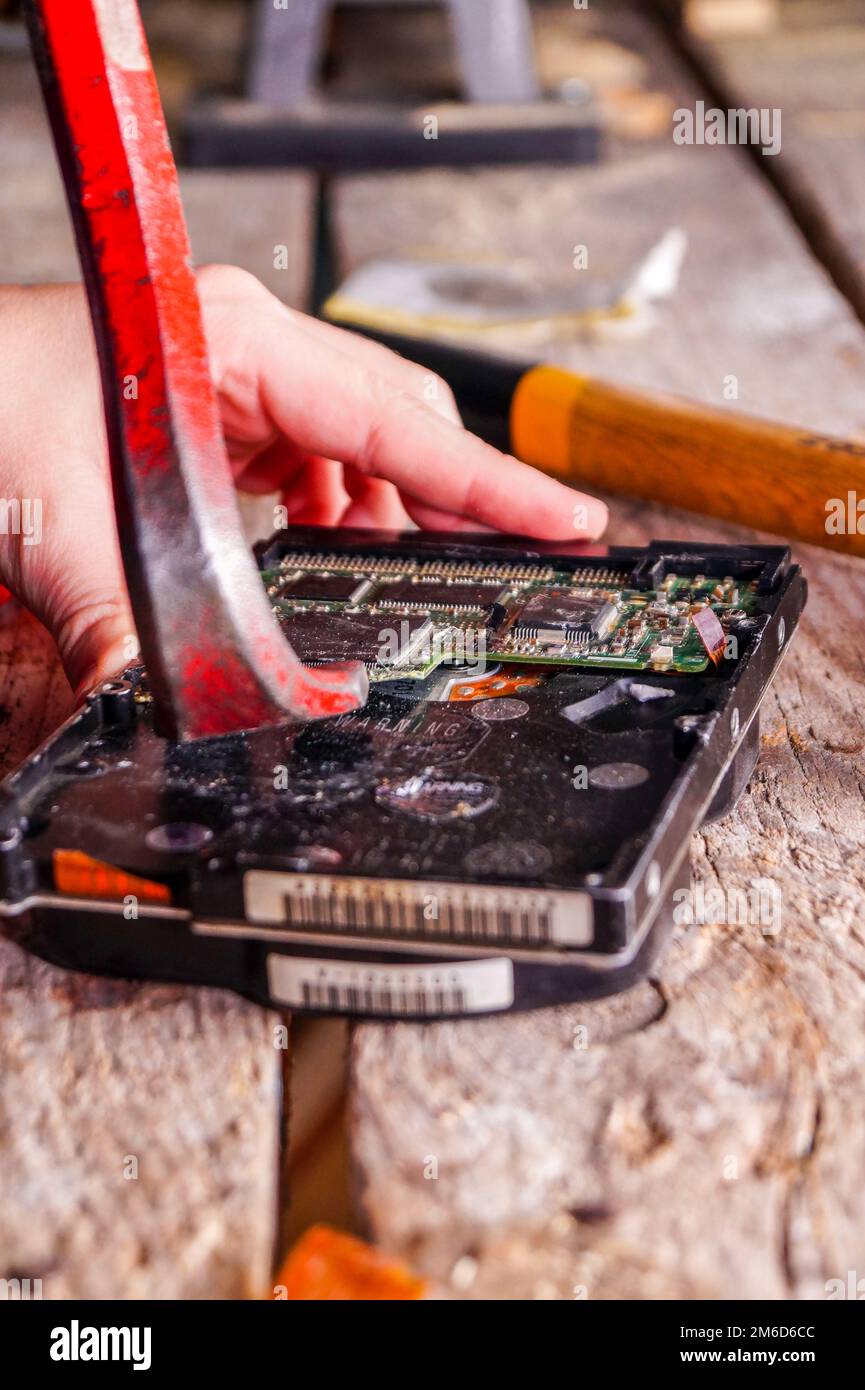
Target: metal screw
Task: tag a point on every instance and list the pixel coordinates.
(612, 777)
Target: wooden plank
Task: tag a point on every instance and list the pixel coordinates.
(812, 69)
(242, 218)
(138, 1123)
(95, 1073)
(707, 1141)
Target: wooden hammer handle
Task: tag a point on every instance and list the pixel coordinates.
(794, 482)
(797, 483)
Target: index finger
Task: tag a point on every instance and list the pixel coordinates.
(331, 404)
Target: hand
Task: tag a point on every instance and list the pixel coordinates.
(346, 431)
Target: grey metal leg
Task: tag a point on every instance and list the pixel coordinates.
(493, 40)
(495, 49)
(287, 47)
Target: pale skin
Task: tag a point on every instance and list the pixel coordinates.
(346, 431)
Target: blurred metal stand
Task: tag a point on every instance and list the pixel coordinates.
(493, 38)
(286, 119)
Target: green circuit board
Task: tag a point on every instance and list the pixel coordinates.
(405, 618)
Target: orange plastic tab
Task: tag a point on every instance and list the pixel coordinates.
(328, 1266)
(83, 877)
(510, 680)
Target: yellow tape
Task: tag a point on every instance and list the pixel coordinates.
(392, 319)
(542, 415)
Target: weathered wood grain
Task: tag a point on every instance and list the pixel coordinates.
(708, 1140)
(95, 1073)
(812, 69)
(242, 218)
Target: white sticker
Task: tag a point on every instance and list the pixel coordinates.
(408, 908)
(427, 991)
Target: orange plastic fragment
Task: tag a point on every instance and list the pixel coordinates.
(510, 680)
(327, 1266)
(85, 877)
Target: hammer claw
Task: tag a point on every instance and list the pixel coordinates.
(215, 655)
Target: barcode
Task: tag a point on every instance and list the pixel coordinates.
(427, 991)
(403, 908)
(364, 999)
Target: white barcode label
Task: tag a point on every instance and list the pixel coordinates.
(426, 991)
(405, 908)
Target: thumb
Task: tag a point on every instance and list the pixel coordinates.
(62, 560)
(58, 542)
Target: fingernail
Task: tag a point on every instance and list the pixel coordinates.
(599, 516)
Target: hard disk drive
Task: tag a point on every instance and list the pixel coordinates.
(502, 826)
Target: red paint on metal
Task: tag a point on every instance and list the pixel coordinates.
(216, 658)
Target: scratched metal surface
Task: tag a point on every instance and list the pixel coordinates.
(215, 655)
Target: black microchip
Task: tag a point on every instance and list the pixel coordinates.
(370, 637)
(557, 615)
(323, 588)
(437, 593)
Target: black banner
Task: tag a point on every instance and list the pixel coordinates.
(261, 1339)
